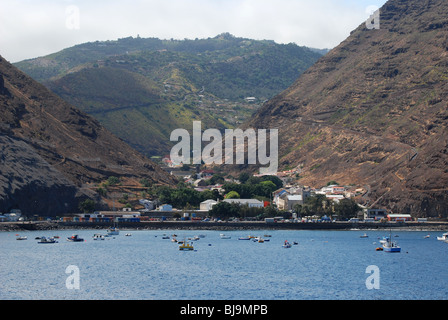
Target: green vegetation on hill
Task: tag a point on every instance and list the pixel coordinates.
(142, 89)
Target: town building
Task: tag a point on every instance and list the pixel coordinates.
(207, 205)
(251, 203)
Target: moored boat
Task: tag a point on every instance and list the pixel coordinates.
(46, 240)
(75, 238)
(444, 237)
(286, 244)
(364, 235)
(391, 246)
(185, 246)
(98, 236)
(223, 236)
(113, 231)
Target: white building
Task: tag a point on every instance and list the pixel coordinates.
(249, 202)
(207, 205)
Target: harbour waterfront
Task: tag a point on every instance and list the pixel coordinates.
(334, 265)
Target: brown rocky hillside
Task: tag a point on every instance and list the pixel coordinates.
(50, 152)
(374, 112)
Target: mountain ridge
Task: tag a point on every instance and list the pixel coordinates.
(173, 82)
(373, 112)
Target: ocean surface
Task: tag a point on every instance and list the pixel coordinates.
(335, 265)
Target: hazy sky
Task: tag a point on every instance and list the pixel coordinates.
(32, 28)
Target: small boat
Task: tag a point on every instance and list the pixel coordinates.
(444, 237)
(364, 236)
(45, 240)
(21, 238)
(98, 236)
(260, 240)
(295, 243)
(113, 231)
(267, 236)
(287, 244)
(379, 249)
(244, 238)
(186, 246)
(426, 237)
(128, 234)
(165, 236)
(75, 238)
(384, 240)
(223, 236)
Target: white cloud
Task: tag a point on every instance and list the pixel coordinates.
(31, 28)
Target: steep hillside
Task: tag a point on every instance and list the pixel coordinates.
(51, 152)
(373, 111)
(142, 89)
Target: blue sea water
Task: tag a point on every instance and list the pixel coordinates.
(324, 265)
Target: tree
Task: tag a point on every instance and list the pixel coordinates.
(232, 195)
(225, 210)
(87, 206)
(346, 208)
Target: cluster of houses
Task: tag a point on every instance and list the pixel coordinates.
(13, 216)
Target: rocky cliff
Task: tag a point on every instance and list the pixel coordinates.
(373, 112)
(49, 150)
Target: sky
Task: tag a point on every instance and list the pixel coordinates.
(33, 28)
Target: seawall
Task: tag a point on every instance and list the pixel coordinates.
(242, 225)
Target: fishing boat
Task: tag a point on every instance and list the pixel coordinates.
(98, 236)
(391, 246)
(364, 235)
(45, 240)
(185, 246)
(75, 238)
(444, 237)
(113, 231)
(287, 244)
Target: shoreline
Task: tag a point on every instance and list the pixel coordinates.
(224, 226)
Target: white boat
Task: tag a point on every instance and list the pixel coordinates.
(391, 246)
(45, 240)
(444, 237)
(384, 240)
(98, 236)
(22, 238)
(223, 236)
(364, 236)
